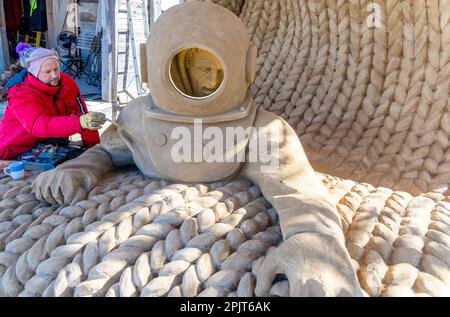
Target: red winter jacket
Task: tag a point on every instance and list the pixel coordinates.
(37, 112)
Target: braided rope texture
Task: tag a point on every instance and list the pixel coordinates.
(140, 237)
(369, 101)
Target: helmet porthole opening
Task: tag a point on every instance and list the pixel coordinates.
(196, 73)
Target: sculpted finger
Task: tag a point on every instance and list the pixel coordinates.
(59, 189)
(80, 195)
(57, 194)
(44, 184)
(47, 194)
(67, 192)
(311, 287)
(36, 190)
(266, 275)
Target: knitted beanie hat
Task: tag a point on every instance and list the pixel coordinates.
(32, 57)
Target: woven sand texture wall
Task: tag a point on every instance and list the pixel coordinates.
(370, 103)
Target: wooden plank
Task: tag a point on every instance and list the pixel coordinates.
(4, 55)
(143, 57)
(109, 53)
(98, 22)
(61, 15)
(154, 11)
(106, 51)
(157, 9)
(112, 13)
(145, 15)
(77, 22)
(56, 15)
(151, 14)
(131, 31)
(51, 38)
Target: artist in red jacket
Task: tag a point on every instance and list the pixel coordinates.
(46, 105)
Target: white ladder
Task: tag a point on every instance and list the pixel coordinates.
(136, 31)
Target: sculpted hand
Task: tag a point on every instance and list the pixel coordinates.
(314, 264)
(63, 186)
(92, 120)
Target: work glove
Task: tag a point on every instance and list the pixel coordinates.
(92, 120)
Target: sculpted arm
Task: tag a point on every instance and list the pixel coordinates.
(313, 255)
(71, 181)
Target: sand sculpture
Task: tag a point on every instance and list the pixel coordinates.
(136, 236)
(313, 256)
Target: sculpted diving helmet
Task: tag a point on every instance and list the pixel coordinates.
(200, 65)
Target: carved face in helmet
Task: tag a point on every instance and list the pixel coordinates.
(200, 61)
(196, 72)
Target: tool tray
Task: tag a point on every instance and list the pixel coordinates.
(45, 157)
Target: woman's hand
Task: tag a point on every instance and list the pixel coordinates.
(92, 120)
